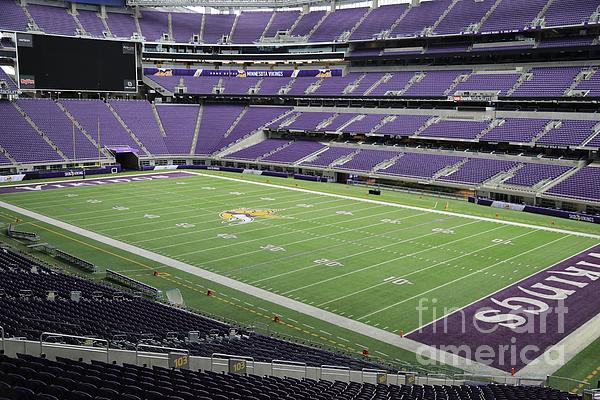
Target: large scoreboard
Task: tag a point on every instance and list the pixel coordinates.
(59, 63)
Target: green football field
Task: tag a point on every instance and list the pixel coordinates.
(366, 261)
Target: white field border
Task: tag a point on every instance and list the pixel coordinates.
(326, 316)
(415, 208)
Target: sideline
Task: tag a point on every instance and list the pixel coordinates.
(397, 205)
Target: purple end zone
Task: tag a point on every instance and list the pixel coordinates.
(90, 182)
(516, 325)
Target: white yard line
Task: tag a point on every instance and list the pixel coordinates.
(339, 196)
(173, 205)
(187, 207)
(245, 254)
(343, 243)
(421, 269)
(238, 243)
(206, 210)
(121, 189)
(351, 255)
(383, 262)
(221, 226)
(370, 235)
(463, 277)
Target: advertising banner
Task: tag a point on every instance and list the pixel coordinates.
(12, 178)
(240, 73)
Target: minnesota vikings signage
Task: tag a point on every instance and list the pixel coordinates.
(240, 73)
(518, 324)
(240, 216)
(90, 182)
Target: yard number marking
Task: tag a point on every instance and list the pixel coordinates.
(272, 247)
(391, 221)
(328, 263)
(397, 281)
(502, 241)
(444, 231)
(227, 236)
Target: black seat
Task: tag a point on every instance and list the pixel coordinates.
(44, 396)
(129, 397)
(22, 393)
(108, 393)
(56, 391)
(4, 387)
(15, 379)
(78, 395)
(35, 385)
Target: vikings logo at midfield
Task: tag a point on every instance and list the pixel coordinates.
(241, 216)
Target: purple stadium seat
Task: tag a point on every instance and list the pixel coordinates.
(282, 21)
(185, 25)
(20, 139)
(53, 121)
(179, 122)
(91, 22)
(53, 19)
(250, 26)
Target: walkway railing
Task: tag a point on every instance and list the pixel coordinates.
(88, 343)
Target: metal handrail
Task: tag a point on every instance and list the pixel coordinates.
(49, 335)
(285, 363)
(335, 368)
(149, 346)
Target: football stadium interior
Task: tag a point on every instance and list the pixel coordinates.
(299, 199)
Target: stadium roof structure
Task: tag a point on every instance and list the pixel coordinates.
(233, 3)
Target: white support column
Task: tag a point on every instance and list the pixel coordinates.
(102, 11)
(375, 4)
(333, 4)
(415, 2)
(306, 8)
